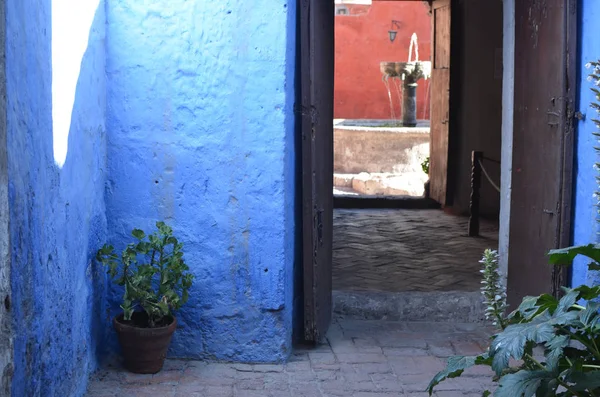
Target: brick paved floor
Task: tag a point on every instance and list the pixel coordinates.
(360, 359)
(407, 250)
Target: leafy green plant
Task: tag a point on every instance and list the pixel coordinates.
(565, 332)
(493, 290)
(153, 273)
(425, 166)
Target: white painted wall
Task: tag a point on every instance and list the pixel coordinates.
(508, 83)
(70, 36)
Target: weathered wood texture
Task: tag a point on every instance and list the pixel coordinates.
(317, 61)
(440, 101)
(542, 144)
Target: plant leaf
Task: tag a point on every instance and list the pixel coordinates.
(532, 306)
(454, 368)
(566, 302)
(594, 266)
(565, 256)
(554, 351)
(547, 388)
(584, 380)
(590, 313)
(528, 305)
(588, 293)
(547, 302)
(522, 383)
(164, 307)
(511, 342)
(139, 234)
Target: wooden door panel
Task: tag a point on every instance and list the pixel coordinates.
(317, 62)
(440, 105)
(440, 100)
(542, 146)
(441, 29)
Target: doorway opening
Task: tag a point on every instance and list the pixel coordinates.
(478, 111)
(415, 264)
(381, 98)
(418, 263)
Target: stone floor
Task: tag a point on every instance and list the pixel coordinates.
(360, 359)
(395, 250)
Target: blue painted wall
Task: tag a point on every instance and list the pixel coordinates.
(201, 134)
(585, 226)
(57, 215)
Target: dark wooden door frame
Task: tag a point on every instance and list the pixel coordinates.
(316, 232)
(561, 275)
(440, 114)
(560, 120)
(316, 109)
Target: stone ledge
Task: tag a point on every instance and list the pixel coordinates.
(456, 306)
(398, 202)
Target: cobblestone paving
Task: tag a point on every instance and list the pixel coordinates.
(360, 359)
(397, 250)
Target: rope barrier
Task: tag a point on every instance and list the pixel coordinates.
(477, 169)
(489, 159)
(487, 176)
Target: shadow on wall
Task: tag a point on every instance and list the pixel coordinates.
(57, 215)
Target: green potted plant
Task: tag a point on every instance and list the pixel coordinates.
(155, 281)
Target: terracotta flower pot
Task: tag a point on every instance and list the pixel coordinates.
(144, 349)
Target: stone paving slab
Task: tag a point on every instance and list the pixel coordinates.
(399, 250)
(359, 359)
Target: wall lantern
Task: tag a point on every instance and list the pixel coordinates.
(393, 32)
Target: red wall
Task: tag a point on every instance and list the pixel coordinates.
(361, 42)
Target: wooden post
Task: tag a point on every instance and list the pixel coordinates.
(476, 157)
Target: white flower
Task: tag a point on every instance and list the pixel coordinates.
(590, 78)
(588, 65)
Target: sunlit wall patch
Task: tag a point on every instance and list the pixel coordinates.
(71, 24)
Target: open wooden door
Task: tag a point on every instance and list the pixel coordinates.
(545, 53)
(440, 100)
(316, 73)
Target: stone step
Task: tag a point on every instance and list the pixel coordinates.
(343, 180)
(454, 306)
(383, 184)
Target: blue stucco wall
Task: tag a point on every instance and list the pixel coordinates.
(201, 134)
(57, 214)
(585, 225)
